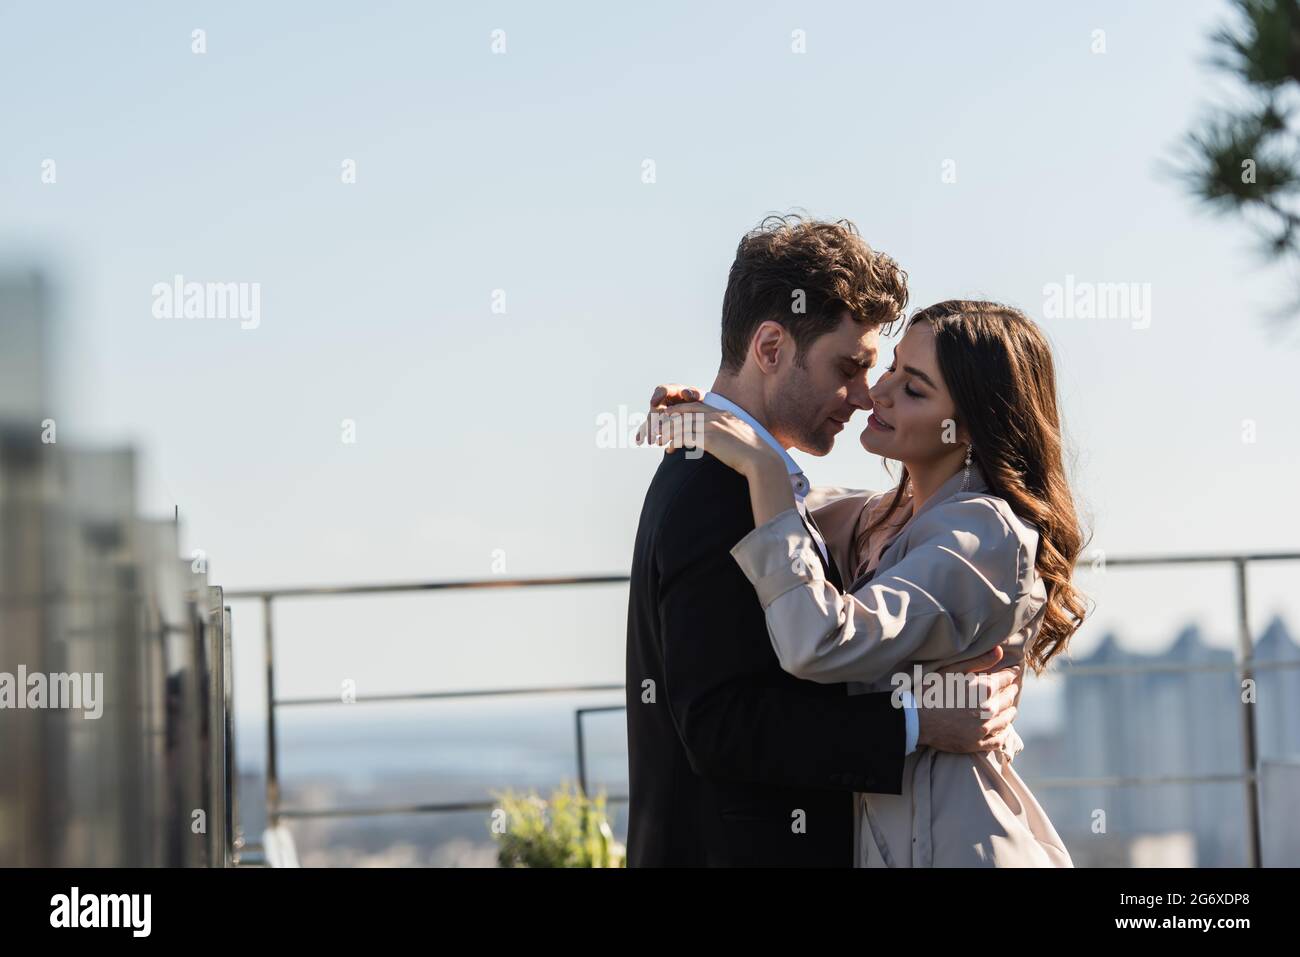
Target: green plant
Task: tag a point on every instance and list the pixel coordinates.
(569, 830)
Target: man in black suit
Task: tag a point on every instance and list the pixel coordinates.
(732, 761)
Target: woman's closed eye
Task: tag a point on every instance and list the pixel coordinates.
(906, 388)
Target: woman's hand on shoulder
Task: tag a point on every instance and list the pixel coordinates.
(673, 393)
(663, 396)
(698, 428)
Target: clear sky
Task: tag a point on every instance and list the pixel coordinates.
(522, 171)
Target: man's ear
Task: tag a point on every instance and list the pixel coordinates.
(769, 339)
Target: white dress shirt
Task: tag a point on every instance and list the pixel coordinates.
(800, 485)
(798, 481)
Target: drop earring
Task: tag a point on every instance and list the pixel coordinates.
(965, 479)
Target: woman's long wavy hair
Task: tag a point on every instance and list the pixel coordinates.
(998, 368)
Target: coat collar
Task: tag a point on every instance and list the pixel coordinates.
(945, 492)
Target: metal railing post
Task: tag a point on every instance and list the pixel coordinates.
(234, 837)
(1247, 655)
(272, 761)
(582, 756)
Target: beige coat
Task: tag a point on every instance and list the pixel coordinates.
(957, 579)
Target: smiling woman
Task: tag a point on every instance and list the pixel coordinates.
(973, 383)
(913, 415)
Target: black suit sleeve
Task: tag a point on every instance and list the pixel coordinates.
(737, 716)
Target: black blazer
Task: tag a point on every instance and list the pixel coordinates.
(724, 748)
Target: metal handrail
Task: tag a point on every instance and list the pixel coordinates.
(1244, 664)
(442, 695)
(316, 591)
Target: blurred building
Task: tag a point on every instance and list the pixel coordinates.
(1155, 721)
(113, 649)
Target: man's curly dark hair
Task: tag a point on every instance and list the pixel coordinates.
(804, 273)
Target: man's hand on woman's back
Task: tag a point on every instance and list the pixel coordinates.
(971, 728)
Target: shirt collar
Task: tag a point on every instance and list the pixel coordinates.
(726, 405)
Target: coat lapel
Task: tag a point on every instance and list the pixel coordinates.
(896, 548)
